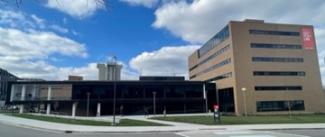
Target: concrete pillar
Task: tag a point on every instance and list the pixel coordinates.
(98, 109)
(12, 94)
(21, 109)
(48, 109)
(74, 108)
(49, 93)
(34, 92)
(23, 93)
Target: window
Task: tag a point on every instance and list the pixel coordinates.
(218, 65)
(275, 46)
(279, 73)
(264, 106)
(276, 59)
(219, 52)
(214, 41)
(263, 88)
(220, 77)
(270, 32)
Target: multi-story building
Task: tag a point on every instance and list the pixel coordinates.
(109, 71)
(262, 68)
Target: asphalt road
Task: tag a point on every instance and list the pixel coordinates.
(13, 131)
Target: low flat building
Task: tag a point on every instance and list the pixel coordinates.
(5, 77)
(150, 95)
(262, 68)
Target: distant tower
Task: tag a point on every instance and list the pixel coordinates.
(109, 71)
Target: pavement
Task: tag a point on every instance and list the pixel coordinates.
(174, 127)
(14, 131)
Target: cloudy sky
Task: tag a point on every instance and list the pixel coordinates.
(52, 39)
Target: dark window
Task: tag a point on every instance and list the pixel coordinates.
(270, 32)
(214, 41)
(275, 46)
(220, 64)
(192, 76)
(263, 106)
(220, 77)
(279, 73)
(219, 52)
(263, 88)
(276, 59)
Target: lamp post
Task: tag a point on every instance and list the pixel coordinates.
(154, 102)
(114, 90)
(88, 96)
(244, 99)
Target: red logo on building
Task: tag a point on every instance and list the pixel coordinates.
(308, 38)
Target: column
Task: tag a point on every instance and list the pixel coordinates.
(12, 94)
(49, 93)
(23, 92)
(48, 109)
(98, 109)
(74, 108)
(34, 92)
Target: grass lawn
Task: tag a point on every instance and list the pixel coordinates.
(123, 122)
(231, 120)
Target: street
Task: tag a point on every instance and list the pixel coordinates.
(13, 131)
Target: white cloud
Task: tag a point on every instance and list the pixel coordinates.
(25, 53)
(145, 3)
(77, 8)
(197, 21)
(165, 61)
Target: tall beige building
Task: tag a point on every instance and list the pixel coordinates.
(262, 68)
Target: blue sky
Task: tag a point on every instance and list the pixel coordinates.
(52, 39)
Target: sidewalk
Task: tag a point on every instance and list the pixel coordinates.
(176, 127)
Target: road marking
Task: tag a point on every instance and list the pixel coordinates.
(181, 134)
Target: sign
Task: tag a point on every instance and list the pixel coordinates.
(308, 38)
(216, 113)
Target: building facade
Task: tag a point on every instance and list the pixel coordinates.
(262, 68)
(132, 97)
(109, 71)
(5, 76)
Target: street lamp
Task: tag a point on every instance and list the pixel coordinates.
(114, 99)
(88, 96)
(244, 99)
(154, 102)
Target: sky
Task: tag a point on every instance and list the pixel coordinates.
(51, 39)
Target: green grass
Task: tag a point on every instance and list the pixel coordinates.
(231, 120)
(123, 122)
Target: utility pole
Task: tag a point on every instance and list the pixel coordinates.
(244, 99)
(88, 96)
(154, 102)
(114, 98)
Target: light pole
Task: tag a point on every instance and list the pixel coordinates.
(244, 99)
(114, 90)
(88, 96)
(154, 102)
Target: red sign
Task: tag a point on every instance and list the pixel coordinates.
(216, 106)
(308, 38)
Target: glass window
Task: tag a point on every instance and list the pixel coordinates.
(218, 65)
(214, 41)
(276, 59)
(263, 88)
(264, 106)
(279, 73)
(270, 32)
(275, 46)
